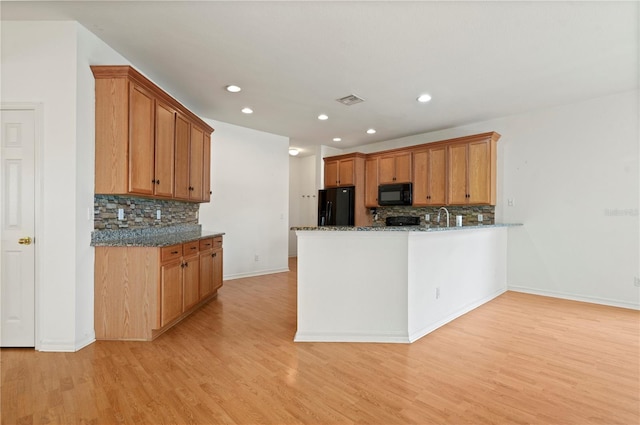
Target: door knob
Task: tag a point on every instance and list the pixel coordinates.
(25, 241)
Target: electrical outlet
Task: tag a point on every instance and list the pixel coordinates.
(636, 282)
(437, 292)
(480, 218)
(120, 214)
(256, 258)
(158, 214)
(510, 202)
(427, 217)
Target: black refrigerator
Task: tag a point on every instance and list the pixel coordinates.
(336, 206)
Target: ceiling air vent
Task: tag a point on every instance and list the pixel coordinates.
(352, 99)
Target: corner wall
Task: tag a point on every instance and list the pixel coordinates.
(250, 200)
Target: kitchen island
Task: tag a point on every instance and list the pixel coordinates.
(394, 284)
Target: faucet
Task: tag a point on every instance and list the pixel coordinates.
(438, 218)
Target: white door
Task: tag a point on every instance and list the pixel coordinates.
(17, 218)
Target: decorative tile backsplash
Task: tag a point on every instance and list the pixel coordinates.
(469, 214)
(141, 213)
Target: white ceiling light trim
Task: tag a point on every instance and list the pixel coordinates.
(371, 131)
(323, 117)
(337, 139)
(233, 88)
(247, 111)
(294, 151)
(424, 98)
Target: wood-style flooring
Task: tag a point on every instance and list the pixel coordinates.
(519, 359)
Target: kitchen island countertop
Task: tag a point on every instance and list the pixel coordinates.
(383, 228)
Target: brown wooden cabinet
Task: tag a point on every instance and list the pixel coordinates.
(164, 165)
(371, 182)
(395, 168)
(140, 138)
(140, 292)
(472, 172)
(429, 176)
(339, 172)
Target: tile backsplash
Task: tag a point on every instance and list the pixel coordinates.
(141, 213)
(469, 214)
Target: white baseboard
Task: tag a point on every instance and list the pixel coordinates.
(256, 273)
(52, 345)
(388, 337)
(88, 339)
(574, 297)
(414, 336)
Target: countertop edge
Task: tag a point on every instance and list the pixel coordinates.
(422, 229)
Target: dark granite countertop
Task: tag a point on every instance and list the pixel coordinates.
(400, 228)
(152, 237)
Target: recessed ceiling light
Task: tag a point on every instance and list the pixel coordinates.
(337, 139)
(247, 110)
(233, 89)
(293, 151)
(371, 131)
(423, 98)
(323, 117)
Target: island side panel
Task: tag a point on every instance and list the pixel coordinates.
(352, 286)
(451, 273)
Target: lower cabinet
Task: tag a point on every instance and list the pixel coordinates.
(140, 292)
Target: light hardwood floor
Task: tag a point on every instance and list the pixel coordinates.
(518, 359)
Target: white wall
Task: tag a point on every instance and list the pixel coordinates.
(47, 62)
(573, 174)
(303, 197)
(250, 200)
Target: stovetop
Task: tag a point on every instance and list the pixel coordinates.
(403, 220)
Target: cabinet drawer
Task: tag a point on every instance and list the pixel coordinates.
(190, 248)
(206, 244)
(217, 242)
(171, 252)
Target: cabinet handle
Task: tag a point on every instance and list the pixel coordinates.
(210, 192)
(153, 181)
(193, 247)
(213, 255)
(186, 264)
(157, 181)
(182, 265)
(174, 252)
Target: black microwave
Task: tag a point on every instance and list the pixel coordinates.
(395, 194)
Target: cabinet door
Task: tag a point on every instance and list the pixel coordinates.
(191, 281)
(402, 173)
(331, 173)
(457, 174)
(170, 291)
(196, 151)
(437, 176)
(371, 182)
(479, 174)
(206, 168)
(217, 269)
(206, 273)
(420, 178)
(141, 141)
(386, 169)
(346, 172)
(183, 134)
(164, 150)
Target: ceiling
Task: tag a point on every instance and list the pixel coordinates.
(478, 60)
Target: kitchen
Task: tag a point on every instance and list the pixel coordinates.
(533, 185)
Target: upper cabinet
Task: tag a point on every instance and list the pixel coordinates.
(429, 176)
(147, 143)
(472, 171)
(371, 182)
(339, 172)
(394, 168)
